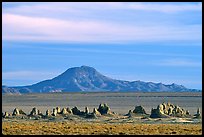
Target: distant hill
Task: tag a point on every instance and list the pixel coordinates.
(86, 78)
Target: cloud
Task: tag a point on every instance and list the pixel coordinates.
(165, 8)
(86, 7)
(102, 51)
(179, 63)
(28, 75)
(19, 27)
(77, 22)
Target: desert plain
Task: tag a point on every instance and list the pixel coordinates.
(119, 123)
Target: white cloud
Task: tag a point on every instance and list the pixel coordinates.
(121, 52)
(80, 7)
(77, 22)
(28, 75)
(18, 27)
(179, 63)
(166, 8)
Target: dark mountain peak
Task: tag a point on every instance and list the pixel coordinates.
(86, 67)
(82, 68)
(77, 71)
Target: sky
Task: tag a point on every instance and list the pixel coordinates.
(157, 42)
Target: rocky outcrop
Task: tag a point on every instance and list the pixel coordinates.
(69, 110)
(129, 114)
(155, 113)
(76, 111)
(86, 110)
(16, 112)
(104, 109)
(96, 112)
(21, 112)
(139, 110)
(47, 113)
(58, 110)
(197, 115)
(34, 112)
(64, 111)
(163, 110)
(54, 112)
(167, 110)
(6, 115)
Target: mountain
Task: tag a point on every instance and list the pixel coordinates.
(8, 90)
(86, 78)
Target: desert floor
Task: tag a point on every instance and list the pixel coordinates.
(120, 103)
(89, 128)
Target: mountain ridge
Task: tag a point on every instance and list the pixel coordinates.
(87, 78)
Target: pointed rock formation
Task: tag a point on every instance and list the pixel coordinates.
(16, 112)
(34, 112)
(58, 110)
(129, 114)
(86, 110)
(139, 110)
(6, 115)
(166, 110)
(104, 109)
(197, 115)
(170, 110)
(156, 113)
(69, 110)
(198, 111)
(76, 111)
(21, 112)
(54, 113)
(64, 111)
(96, 112)
(48, 113)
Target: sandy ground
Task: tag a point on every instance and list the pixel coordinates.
(107, 125)
(120, 103)
(89, 128)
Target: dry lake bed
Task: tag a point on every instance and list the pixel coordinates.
(120, 103)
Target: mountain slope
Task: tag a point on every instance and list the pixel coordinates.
(86, 78)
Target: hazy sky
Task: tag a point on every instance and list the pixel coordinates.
(158, 42)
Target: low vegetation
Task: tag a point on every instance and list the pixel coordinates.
(88, 128)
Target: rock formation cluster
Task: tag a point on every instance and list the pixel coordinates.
(163, 110)
(139, 110)
(103, 109)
